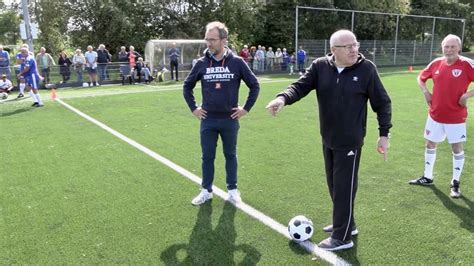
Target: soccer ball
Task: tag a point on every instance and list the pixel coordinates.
(300, 228)
(85, 84)
(3, 95)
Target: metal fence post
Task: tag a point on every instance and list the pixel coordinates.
(375, 50)
(432, 38)
(414, 51)
(396, 42)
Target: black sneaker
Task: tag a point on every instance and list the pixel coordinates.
(20, 95)
(329, 229)
(35, 104)
(455, 191)
(39, 105)
(422, 181)
(331, 244)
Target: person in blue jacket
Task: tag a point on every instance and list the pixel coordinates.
(220, 73)
(301, 57)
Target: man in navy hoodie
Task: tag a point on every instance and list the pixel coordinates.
(220, 73)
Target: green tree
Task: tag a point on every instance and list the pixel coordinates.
(440, 8)
(113, 23)
(278, 24)
(187, 19)
(52, 17)
(9, 26)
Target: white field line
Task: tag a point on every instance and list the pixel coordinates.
(157, 88)
(151, 88)
(307, 245)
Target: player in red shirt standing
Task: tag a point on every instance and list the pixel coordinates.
(452, 74)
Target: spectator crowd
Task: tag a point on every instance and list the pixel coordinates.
(91, 68)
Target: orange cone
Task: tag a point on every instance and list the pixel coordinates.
(53, 94)
(410, 69)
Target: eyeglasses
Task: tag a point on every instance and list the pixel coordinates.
(348, 47)
(212, 40)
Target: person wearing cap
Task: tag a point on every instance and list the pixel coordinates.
(245, 54)
(5, 84)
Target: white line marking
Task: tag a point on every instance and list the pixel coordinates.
(307, 245)
(157, 88)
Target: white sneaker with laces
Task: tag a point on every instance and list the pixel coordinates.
(203, 196)
(234, 196)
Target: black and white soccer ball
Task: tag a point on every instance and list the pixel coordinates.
(3, 95)
(300, 228)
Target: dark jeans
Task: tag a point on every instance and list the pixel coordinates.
(301, 66)
(174, 65)
(228, 130)
(102, 69)
(342, 167)
(79, 74)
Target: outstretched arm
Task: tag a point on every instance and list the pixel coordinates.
(275, 105)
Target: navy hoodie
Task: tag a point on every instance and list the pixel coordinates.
(220, 82)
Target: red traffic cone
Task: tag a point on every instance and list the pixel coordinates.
(53, 94)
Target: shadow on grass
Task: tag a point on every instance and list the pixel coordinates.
(211, 247)
(349, 255)
(15, 112)
(463, 213)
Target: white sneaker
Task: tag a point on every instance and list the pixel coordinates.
(203, 196)
(234, 196)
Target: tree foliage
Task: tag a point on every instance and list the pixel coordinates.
(113, 23)
(439, 8)
(9, 26)
(78, 23)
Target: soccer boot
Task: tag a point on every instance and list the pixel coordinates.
(455, 191)
(422, 181)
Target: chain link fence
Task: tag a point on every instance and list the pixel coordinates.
(387, 39)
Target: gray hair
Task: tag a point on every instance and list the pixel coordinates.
(223, 31)
(451, 36)
(338, 34)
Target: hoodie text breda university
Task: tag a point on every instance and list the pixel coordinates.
(220, 81)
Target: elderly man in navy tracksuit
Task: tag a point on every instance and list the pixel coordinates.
(344, 81)
(220, 73)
